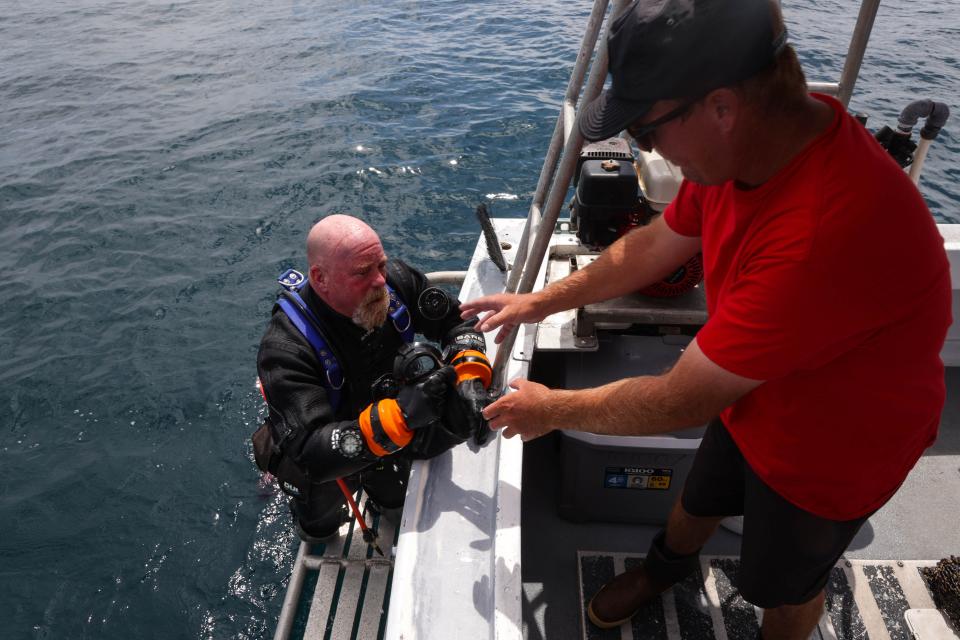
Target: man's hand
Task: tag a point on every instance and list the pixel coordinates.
(505, 310)
(525, 412)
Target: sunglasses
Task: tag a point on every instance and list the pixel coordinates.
(643, 133)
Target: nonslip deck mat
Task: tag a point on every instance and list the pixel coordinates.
(866, 599)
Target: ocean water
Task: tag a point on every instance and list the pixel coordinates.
(159, 165)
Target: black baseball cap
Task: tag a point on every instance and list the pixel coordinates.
(664, 49)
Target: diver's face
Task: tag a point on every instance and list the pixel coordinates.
(355, 285)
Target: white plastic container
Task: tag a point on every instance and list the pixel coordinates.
(659, 180)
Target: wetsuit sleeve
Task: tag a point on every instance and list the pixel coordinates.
(410, 284)
(299, 405)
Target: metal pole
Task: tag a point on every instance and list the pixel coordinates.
(446, 277)
(858, 44)
(557, 194)
(587, 45)
(829, 88)
(918, 158)
(569, 119)
(289, 608)
(571, 150)
(517, 270)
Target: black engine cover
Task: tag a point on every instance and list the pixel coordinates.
(606, 200)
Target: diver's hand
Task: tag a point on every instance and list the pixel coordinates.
(505, 310)
(525, 412)
(422, 402)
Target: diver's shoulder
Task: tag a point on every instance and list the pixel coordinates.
(405, 279)
(282, 335)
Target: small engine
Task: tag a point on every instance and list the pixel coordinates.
(607, 202)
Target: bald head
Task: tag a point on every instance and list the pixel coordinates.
(348, 267)
(336, 237)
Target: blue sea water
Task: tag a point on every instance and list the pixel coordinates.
(159, 165)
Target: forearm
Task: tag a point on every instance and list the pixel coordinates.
(634, 261)
(325, 461)
(629, 407)
(302, 410)
(693, 392)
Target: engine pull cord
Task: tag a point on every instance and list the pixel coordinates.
(368, 535)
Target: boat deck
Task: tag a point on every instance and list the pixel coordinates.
(918, 525)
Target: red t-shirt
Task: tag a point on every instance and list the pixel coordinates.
(830, 282)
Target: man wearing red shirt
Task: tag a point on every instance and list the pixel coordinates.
(828, 296)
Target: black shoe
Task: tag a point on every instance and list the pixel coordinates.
(392, 514)
(318, 538)
(322, 534)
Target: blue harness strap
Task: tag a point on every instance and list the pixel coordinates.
(400, 316)
(303, 319)
(291, 302)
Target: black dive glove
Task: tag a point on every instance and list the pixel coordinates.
(390, 424)
(422, 402)
(474, 375)
(447, 431)
(458, 418)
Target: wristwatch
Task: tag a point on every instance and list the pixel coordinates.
(347, 442)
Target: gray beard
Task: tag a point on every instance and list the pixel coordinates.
(373, 311)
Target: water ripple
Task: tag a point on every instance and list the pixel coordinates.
(159, 164)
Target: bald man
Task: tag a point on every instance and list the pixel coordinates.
(335, 409)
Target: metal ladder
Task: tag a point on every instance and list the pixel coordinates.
(353, 584)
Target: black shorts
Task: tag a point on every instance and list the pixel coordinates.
(786, 553)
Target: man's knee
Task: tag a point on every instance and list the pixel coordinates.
(319, 524)
(320, 510)
(386, 482)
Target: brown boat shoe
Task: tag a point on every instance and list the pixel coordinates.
(621, 598)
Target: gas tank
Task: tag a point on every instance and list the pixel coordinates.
(659, 179)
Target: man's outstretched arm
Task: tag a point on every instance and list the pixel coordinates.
(636, 260)
(690, 394)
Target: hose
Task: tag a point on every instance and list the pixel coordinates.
(935, 113)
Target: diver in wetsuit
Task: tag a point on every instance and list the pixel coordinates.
(335, 408)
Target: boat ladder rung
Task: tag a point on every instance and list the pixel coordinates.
(350, 596)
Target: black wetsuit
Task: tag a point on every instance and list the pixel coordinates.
(293, 382)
